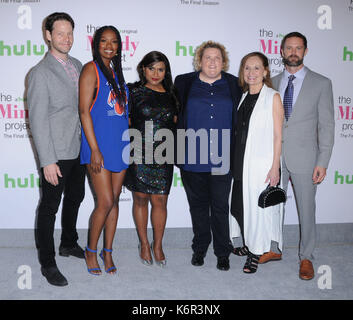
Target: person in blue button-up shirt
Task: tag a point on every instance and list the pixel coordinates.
(209, 98)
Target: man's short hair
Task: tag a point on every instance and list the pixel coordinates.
(294, 34)
(49, 22)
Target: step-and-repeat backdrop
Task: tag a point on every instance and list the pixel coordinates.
(175, 27)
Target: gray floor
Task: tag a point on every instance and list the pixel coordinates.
(179, 280)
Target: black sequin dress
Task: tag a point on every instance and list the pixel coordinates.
(146, 107)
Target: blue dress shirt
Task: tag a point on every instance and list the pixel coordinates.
(210, 110)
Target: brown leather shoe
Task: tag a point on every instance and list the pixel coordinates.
(270, 256)
(306, 271)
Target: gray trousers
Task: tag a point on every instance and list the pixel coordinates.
(304, 192)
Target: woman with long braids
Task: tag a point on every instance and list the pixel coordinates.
(104, 115)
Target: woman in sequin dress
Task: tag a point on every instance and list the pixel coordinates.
(153, 106)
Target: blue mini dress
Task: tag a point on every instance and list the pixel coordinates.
(109, 123)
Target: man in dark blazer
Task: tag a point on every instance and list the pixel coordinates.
(308, 138)
(209, 99)
(54, 119)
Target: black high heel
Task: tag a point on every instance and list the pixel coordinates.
(251, 263)
(241, 251)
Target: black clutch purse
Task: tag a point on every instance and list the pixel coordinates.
(272, 196)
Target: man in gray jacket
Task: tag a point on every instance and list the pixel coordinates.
(54, 120)
(308, 138)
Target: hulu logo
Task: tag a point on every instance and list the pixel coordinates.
(30, 182)
(348, 179)
(184, 50)
(21, 50)
(177, 180)
(347, 54)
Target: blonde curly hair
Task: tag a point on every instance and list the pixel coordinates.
(210, 44)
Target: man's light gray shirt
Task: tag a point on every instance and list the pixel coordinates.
(297, 82)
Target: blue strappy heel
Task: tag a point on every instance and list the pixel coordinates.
(111, 270)
(90, 270)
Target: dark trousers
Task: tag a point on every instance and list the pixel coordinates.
(208, 197)
(236, 207)
(72, 185)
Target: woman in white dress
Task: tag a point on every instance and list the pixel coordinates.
(257, 160)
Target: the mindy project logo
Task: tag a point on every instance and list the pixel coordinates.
(270, 45)
(129, 42)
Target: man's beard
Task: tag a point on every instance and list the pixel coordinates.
(293, 63)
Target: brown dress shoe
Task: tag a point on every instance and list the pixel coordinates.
(306, 271)
(270, 256)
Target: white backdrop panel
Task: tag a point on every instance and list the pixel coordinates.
(175, 27)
